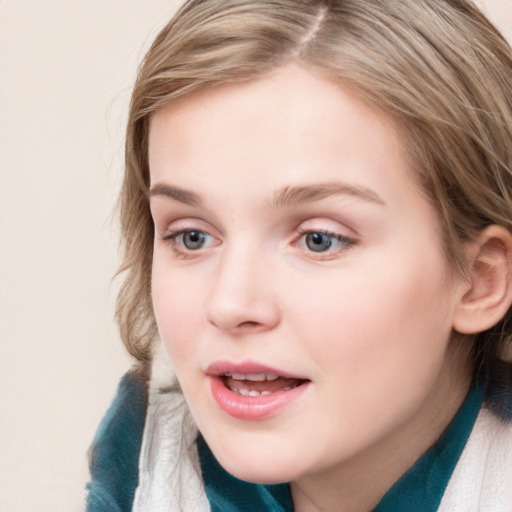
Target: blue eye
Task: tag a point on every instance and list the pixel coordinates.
(189, 243)
(319, 241)
(192, 240)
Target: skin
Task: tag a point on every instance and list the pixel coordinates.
(368, 321)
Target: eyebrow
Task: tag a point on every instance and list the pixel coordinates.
(290, 196)
(177, 194)
(287, 196)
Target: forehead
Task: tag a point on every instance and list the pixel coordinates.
(291, 126)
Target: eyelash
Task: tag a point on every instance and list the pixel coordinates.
(346, 242)
(172, 239)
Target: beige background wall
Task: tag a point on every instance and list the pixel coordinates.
(66, 67)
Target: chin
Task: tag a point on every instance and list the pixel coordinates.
(257, 466)
(262, 475)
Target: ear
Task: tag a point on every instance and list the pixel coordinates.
(489, 293)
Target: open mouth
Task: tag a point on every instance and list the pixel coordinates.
(258, 384)
(252, 391)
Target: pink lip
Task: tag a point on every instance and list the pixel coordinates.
(221, 367)
(245, 407)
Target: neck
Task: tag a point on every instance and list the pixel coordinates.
(358, 484)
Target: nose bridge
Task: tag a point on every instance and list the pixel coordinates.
(241, 296)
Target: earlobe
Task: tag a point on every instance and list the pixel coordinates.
(489, 292)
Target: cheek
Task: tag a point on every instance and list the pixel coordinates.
(176, 303)
(377, 345)
(397, 317)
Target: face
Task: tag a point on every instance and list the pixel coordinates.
(299, 281)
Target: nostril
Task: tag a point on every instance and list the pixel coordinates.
(248, 324)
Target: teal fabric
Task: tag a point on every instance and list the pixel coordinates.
(419, 490)
(114, 454)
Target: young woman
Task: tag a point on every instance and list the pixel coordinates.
(317, 227)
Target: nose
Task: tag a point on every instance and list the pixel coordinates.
(243, 296)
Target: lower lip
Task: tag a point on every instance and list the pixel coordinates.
(249, 407)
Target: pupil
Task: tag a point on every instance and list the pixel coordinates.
(318, 242)
(193, 239)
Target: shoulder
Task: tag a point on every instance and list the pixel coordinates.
(482, 478)
(114, 454)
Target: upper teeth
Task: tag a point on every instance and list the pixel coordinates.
(252, 376)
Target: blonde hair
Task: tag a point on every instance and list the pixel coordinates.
(438, 67)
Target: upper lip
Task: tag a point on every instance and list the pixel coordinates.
(220, 368)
